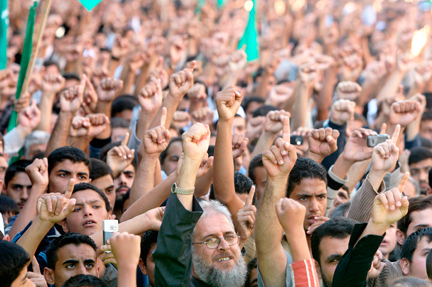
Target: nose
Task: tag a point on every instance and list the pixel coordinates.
(424, 176)
(313, 205)
(223, 245)
(122, 179)
(87, 211)
(24, 194)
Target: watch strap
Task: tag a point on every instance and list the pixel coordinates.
(178, 190)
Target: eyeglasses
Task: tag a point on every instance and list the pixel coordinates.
(214, 242)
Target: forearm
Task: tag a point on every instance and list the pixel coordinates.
(367, 89)
(223, 181)
(128, 77)
(31, 239)
(171, 104)
(265, 141)
(390, 87)
(203, 184)
(104, 107)
(356, 173)
(137, 225)
(152, 199)
(144, 180)
(60, 133)
(325, 96)
(298, 244)
(28, 212)
(268, 233)
(342, 166)
(143, 123)
(195, 106)
(126, 275)
(140, 80)
(81, 143)
(186, 180)
(112, 66)
(231, 79)
(301, 107)
(413, 129)
(45, 108)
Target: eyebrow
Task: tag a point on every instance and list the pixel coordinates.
(90, 202)
(421, 226)
(69, 261)
(333, 257)
(82, 173)
(65, 171)
(128, 172)
(215, 235)
(21, 185)
(426, 249)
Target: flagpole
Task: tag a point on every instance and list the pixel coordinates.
(35, 50)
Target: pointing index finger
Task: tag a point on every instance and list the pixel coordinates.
(82, 85)
(286, 132)
(250, 197)
(70, 188)
(396, 133)
(125, 139)
(35, 265)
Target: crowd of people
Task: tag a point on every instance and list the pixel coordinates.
(307, 166)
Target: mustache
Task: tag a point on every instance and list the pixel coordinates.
(122, 186)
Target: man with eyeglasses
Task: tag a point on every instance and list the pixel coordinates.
(197, 244)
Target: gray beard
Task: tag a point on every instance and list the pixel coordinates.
(217, 277)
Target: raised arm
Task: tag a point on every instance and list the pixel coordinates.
(51, 85)
(278, 162)
(173, 254)
(70, 101)
(228, 102)
(384, 157)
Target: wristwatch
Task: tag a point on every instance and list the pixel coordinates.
(178, 190)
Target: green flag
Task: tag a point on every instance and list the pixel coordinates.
(4, 24)
(250, 36)
(220, 3)
(90, 4)
(25, 59)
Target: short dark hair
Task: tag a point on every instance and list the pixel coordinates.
(340, 228)
(410, 244)
(63, 240)
(71, 76)
(254, 99)
(427, 143)
(164, 154)
(118, 122)
(85, 185)
(122, 103)
(84, 280)
(254, 163)
(99, 169)
(148, 240)
(264, 110)
(410, 282)
(340, 210)
(242, 183)
(305, 168)
(7, 204)
(48, 63)
(251, 265)
(419, 154)
(13, 259)
(14, 168)
(73, 154)
(415, 204)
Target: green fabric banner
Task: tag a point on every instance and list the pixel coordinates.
(4, 24)
(25, 59)
(250, 36)
(90, 4)
(220, 3)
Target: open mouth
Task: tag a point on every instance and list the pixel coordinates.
(223, 259)
(89, 223)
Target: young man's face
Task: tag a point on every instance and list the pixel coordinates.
(420, 172)
(64, 171)
(72, 260)
(88, 214)
(22, 280)
(312, 193)
(331, 251)
(19, 189)
(417, 268)
(389, 241)
(173, 155)
(123, 182)
(149, 268)
(419, 219)
(239, 125)
(106, 184)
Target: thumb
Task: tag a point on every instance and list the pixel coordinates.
(191, 66)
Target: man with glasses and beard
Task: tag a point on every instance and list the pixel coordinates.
(197, 243)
